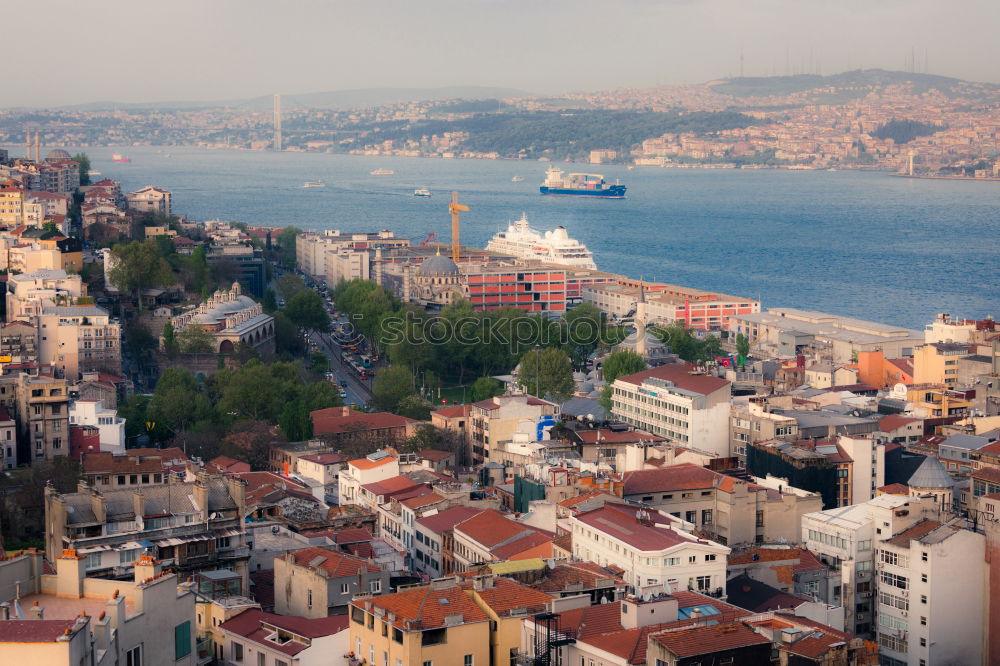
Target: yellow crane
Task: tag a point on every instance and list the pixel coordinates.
(455, 209)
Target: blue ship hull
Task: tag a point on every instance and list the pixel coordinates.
(612, 192)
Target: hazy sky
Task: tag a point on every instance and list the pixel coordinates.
(68, 51)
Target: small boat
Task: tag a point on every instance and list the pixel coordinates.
(314, 183)
(95, 172)
(381, 172)
(517, 179)
(422, 192)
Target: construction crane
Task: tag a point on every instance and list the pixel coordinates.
(455, 209)
(432, 236)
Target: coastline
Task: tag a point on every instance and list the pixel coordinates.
(929, 177)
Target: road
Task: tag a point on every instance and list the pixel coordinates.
(358, 392)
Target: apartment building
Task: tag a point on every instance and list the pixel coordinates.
(445, 623)
(29, 293)
(652, 548)
(931, 595)
(194, 526)
(377, 466)
(937, 362)
(19, 340)
(149, 199)
(316, 582)
(80, 338)
(11, 203)
(489, 536)
(72, 619)
(41, 404)
(752, 422)
(434, 550)
(845, 539)
(669, 304)
(256, 638)
(732, 511)
(497, 419)
(677, 402)
(8, 440)
(110, 426)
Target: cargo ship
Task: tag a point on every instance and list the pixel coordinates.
(555, 246)
(580, 184)
(118, 157)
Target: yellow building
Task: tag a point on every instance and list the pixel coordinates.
(936, 401)
(445, 623)
(11, 203)
(937, 363)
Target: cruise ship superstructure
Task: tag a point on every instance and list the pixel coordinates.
(520, 240)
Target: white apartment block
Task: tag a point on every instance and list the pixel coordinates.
(377, 466)
(652, 549)
(346, 265)
(149, 200)
(931, 581)
(845, 539)
(78, 339)
(110, 427)
(28, 293)
(677, 402)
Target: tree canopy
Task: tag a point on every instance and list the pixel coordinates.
(547, 372)
(391, 385)
(138, 266)
(307, 310)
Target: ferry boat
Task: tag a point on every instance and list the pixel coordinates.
(381, 172)
(580, 184)
(313, 183)
(118, 157)
(421, 192)
(555, 246)
(517, 179)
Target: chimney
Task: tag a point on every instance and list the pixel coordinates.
(238, 491)
(5, 610)
(116, 609)
(36, 612)
(146, 567)
(70, 572)
(201, 495)
(102, 632)
(98, 505)
(138, 506)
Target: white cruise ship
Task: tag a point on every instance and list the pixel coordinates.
(555, 246)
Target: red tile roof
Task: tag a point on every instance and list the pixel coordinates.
(422, 500)
(453, 412)
(752, 555)
(619, 522)
(494, 530)
(706, 640)
(351, 535)
(506, 595)
(333, 563)
(895, 489)
(367, 463)
(391, 486)
(325, 458)
(426, 607)
(445, 520)
(681, 375)
(434, 455)
(893, 421)
(33, 631)
(923, 528)
(685, 476)
(249, 625)
(492, 404)
(331, 421)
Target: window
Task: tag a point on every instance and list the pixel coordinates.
(467, 660)
(923, 578)
(126, 556)
(671, 561)
(375, 585)
(309, 598)
(710, 558)
(134, 656)
(182, 640)
(923, 598)
(865, 545)
(261, 659)
(706, 517)
(923, 556)
(278, 662)
(703, 583)
(923, 621)
(887, 599)
(345, 588)
(92, 561)
(236, 650)
(428, 663)
(894, 580)
(923, 642)
(691, 516)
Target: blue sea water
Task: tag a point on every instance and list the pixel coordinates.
(862, 244)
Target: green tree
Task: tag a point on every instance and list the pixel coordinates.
(250, 441)
(294, 421)
(170, 344)
(139, 341)
(269, 302)
(177, 403)
(618, 364)
(286, 246)
(84, 161)
(547, 371)
(138, 266)
(742, 349)
(414, 407)
(195, 340)
(391, 385)
(287, 341)
(584, 331)
(306, 309)
(485, 388)
(290, 284)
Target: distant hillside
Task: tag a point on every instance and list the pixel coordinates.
(336, 99)
(859, 81)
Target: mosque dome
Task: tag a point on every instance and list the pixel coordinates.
(57, 154)
(437, 265)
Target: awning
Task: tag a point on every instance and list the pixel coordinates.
(92, 549)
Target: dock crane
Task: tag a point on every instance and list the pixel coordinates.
(455, 208)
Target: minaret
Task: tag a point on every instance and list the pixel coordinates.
(640, 321)
(38, 149)
(277, 122)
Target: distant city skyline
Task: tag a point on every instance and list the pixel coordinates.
(191, 50)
